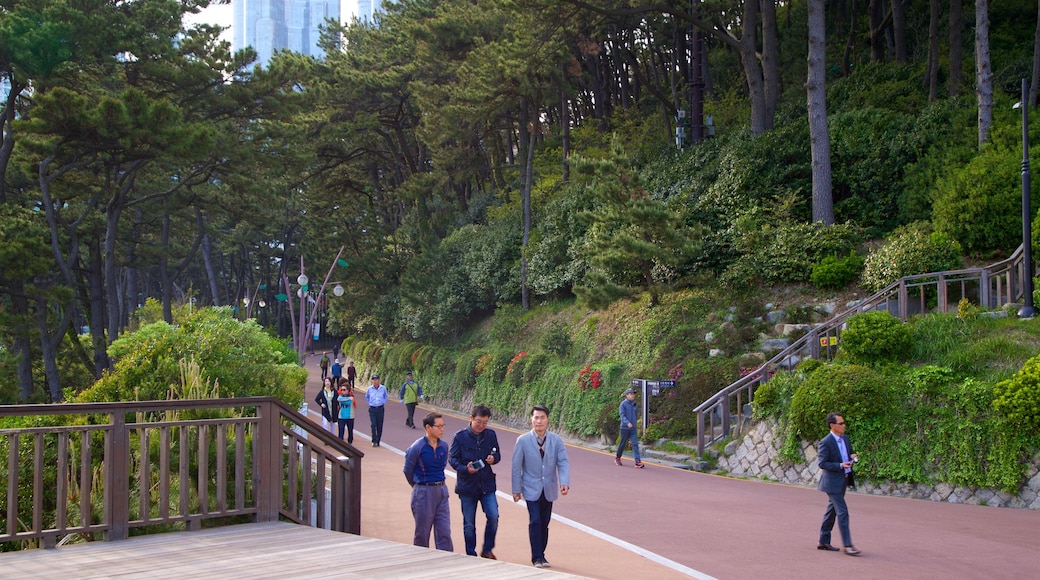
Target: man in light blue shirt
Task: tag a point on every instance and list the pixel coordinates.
(376, 397)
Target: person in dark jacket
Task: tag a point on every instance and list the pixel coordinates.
(326, 400)
(473, 451)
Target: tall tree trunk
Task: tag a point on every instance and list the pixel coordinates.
(876, 18)
(164, 270)
(96, 294)
(850, 42)
(49, 345)
(899, 30)
(528, 128)
(22, 346)
(211, 274)
(983, 70)
(933, 50)
(112, 213)
(956, 80)
(819, 135)
(753, 69)
(565, 130)
(770, 60)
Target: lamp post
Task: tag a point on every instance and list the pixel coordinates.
(1027, 310)
(300, 334)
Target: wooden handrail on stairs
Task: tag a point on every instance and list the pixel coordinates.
(993, 286)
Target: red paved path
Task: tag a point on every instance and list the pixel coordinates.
(731, 528)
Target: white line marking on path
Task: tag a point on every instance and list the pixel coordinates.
(659, 559)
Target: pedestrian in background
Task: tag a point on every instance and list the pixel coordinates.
(473, 451)
(411, 393)
(628, 413)
(337, 373)
(326, 401)
(345, 412)
(324, 364)
(424, 463)
(835, 459)
(351, 374)
(541, 473)
(376, 397)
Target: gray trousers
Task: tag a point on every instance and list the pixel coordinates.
(430, 510)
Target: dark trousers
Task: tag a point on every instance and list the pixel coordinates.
(348, 425)
(324, 372)
(375, 416)
(626, 436)
(836, 509)
(410, 421)
(539, 512)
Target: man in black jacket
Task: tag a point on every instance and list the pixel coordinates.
(473, 451)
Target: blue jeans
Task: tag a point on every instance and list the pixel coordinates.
(626, 435)
(469, 521)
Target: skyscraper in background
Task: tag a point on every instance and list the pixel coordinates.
(272, 25)
(366, 9)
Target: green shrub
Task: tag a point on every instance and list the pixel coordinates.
(912, 249)
(858, 393)
(557, 340)
(874, 337)
(834, 273)
(1018, 398)
(979, 204)
(466, 369)
(784, 252)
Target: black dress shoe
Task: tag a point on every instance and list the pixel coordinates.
(827, 547)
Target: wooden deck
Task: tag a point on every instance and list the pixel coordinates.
(261, 550)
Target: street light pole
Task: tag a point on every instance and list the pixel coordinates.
(1027, 310)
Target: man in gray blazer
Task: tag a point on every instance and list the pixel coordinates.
(541, 473)
(835, 459)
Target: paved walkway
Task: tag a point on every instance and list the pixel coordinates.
(670, 523)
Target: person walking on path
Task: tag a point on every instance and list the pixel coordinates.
(835, 459)
(326, 400)
(324, 364)
(473, 451)
(628, 412)
(337, 373)
(376, 397)
(351, 374)
(345, 416)
(424, 463)
(541, 473)
(411, 393)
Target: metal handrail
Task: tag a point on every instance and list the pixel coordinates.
(993, 286)
(104, 469)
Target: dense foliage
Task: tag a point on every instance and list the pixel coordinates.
(235, 359)
(961, 419)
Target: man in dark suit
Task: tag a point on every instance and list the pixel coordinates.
(835, 459)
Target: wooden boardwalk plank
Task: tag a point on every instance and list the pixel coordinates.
(261, 550)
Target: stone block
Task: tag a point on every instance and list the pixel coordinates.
(943, 490)
(731, 447)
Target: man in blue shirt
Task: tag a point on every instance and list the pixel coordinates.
(424, 463)
(376, 397)
(628, 412)
(337, 374)
(473, 451)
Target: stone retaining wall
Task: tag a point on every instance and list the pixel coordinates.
(758, 455)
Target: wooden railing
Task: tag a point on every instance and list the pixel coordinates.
(100, 470)
(723, 414)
